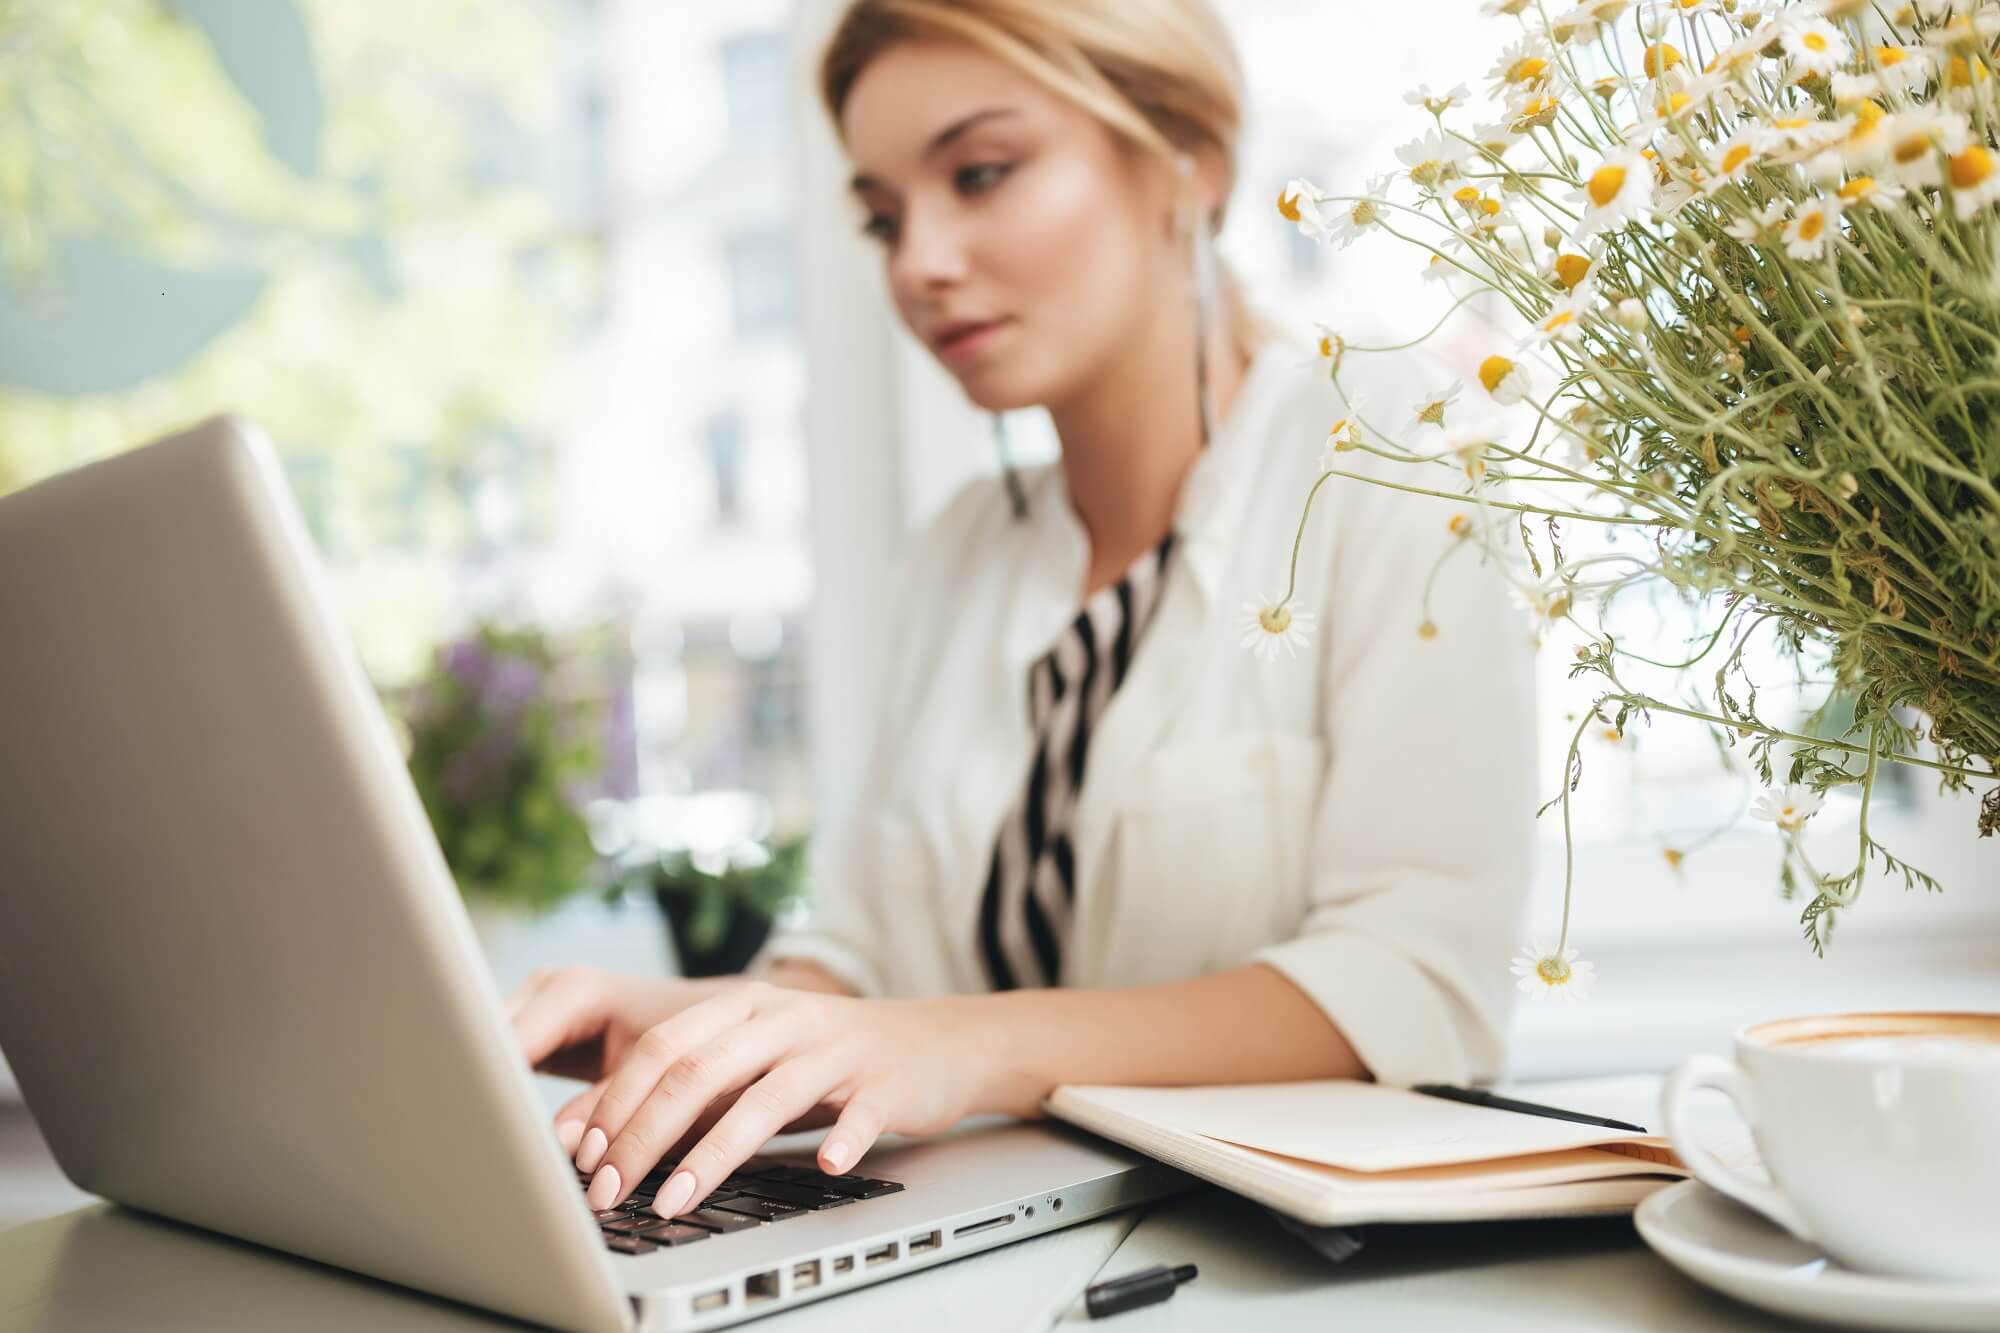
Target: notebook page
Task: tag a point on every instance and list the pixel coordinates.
(1357, 1126)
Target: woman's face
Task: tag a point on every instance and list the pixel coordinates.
(1000, 206)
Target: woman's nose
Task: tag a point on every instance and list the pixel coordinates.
(930, 252)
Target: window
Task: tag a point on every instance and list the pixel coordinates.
(755, 80)
(761, 283)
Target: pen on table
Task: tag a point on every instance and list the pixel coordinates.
(1133, 1290)
(1481, 1097)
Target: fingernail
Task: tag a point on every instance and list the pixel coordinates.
(592, 1151)
(603, 1190)
(675, 1196)
(567, 1134)
(836, 1157)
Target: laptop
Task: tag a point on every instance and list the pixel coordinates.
(238, 987)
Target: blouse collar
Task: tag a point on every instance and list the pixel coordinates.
(1206, 515)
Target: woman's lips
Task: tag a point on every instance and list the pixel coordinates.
(963, 346)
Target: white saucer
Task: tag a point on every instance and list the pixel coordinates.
(1715, 1241)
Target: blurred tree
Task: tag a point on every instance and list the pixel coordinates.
(337, 219)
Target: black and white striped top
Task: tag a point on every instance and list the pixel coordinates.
(1024, 912)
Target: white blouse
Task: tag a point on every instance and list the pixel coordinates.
(1360, 818)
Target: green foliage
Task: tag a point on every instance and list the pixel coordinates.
(501, 748)
(763, 884)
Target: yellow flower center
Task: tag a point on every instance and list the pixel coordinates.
(1288, 206)
(1275, 619)
(1571, 269)
(1811, 225)
(1671, 105)
(1737, 155)
(1363, 212)
(1887, 56)
(1529, 69)
(1813, 41)
(1660, 58)
(1970, 167)
(1558, 320)
(1605, 183)
(1792, 122)
(1857, 188)
(1489, 207)
(1459, 525)
(1960, 74)
(1493, 370)
(1466, 196)
(1909, 150)
(1553, 970)
(1325, 346)
(1427, 630)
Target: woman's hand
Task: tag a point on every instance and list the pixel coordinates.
(795, 1060)
(580, 1022)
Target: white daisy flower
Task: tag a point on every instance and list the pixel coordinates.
(1329, 348)
(1433, 160)
(1733, 159)
(1813, 46)
(1867, 192)
(1551, 975)
(1471, 443)
(1916, 142)
(1435, 102)
(1813, 225)
(1270, 625)
(1352, 217)
(1619, 189)
(1496, 137)
(1506, 380)
(1790, 809)
(1431, 407)
(1564, 320)
(1544, 605)
(1342, 436)
(1975, 181)
(1854, 87)
(1899, 69)
(1525, 62)
(1298, 203)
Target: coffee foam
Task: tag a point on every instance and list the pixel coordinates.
(1887, 1036)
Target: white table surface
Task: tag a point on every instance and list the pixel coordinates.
(103, 1268)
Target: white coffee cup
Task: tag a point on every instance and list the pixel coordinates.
(1881, 1132)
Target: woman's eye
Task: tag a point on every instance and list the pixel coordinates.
(879, 227)
(974, 178)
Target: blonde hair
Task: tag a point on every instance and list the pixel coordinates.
(1162, 75)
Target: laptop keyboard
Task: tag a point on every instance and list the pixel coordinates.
(757, 1194)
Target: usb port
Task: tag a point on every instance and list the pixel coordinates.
(805, 1275)
(711, 1300)
(929, 1241)
(760, 1287)
(881, 1255)
(844, 1264)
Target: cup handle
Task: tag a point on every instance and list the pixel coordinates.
(1709, 1071)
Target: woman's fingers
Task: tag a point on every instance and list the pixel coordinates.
(861, 1123)
(765, 1108)
(575, 1114)
(567, 1008)
(694, 1027)
(689, 1085)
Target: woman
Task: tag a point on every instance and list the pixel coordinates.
(1276, 869)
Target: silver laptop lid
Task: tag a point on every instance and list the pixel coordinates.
(236, 982)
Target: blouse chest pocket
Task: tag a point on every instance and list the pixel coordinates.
(1211, 839)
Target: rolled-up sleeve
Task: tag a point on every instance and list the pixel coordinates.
(1422, 845)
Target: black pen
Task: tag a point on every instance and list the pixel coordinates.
(1481, 1097)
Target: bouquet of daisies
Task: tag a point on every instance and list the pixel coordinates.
(1741, 268)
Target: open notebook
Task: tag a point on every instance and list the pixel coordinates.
(1336, 1152)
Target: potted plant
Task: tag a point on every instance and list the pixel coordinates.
(506, 743)
(720, 910)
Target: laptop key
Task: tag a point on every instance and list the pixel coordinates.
(799, 1196)
(629, 1245)
(609, 1214)
(715, 1219)
(860, 1188)
(768, 1210)
(627, 1222)
(672, 1233)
